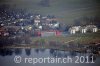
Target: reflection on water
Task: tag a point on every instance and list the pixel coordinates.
(28, 51)
(7, 54)
(54, 53)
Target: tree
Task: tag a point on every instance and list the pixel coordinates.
(77, 22)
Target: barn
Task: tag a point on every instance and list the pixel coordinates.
(48, 33)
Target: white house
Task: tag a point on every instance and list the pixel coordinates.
(36, 22)
(92, 28)
(95, 29)
(54, 25)
(83, 30)
(40, 27)
(74, 29)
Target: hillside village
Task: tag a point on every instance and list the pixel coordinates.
(44, 26)
(14, 21)
(54, 25)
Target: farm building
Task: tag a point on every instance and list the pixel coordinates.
(50, 33)
(47, 33)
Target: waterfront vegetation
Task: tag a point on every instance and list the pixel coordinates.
(77, 43)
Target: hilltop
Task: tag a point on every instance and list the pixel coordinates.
(66, 10)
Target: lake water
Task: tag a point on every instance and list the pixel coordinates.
(7, 57)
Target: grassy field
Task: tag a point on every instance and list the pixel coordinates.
(78, 38)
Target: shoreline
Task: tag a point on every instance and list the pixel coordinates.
(69, 47)
(78, 42)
